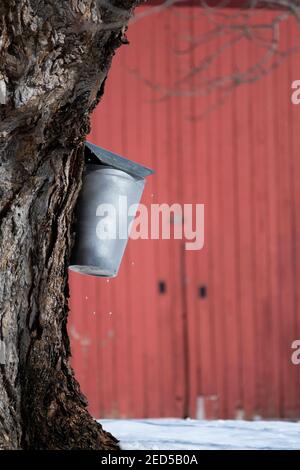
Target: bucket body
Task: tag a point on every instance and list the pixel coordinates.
(103, 220)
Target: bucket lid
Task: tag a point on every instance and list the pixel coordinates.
(116, 161)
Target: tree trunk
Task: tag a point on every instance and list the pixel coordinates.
(54, 58)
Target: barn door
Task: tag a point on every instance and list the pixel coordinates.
(205, 333)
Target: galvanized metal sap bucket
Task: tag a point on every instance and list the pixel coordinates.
(111, 185)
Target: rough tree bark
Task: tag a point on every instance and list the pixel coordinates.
(54, 58)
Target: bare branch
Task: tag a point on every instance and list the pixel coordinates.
(227, 27)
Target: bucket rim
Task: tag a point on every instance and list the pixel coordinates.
(92, 168)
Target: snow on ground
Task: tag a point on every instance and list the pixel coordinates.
(179, 434)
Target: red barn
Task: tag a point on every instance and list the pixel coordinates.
(199, 333)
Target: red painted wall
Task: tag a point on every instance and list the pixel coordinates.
(140, 353)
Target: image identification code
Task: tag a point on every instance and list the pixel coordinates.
(150, 459)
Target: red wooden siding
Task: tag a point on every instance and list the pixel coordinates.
(140, 353)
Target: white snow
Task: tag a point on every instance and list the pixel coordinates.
(179, 434)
